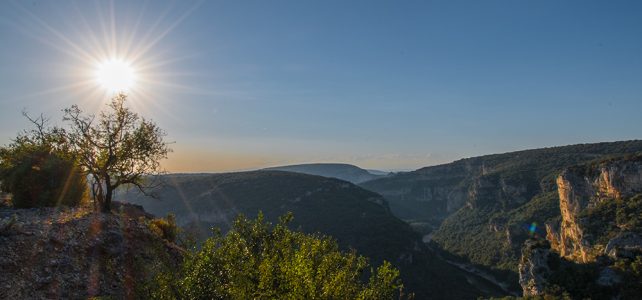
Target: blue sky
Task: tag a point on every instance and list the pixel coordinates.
(381, 84)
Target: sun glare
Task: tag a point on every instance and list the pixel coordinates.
(113, 52)
(115, 75)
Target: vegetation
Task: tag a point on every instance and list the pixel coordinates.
(605, 220)
(358, 219)
(119, 148)
(579, 281)
(256, 260)
(631, 270)
(494, 238)
(166, 227)
(49, 166)
(38, 170)
(355, 217)
(571, 280)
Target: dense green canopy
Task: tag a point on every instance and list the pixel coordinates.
(256, 260)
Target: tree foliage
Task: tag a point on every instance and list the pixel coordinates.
(165, 227)
(38, 169)
(116, 148)
(256, 260)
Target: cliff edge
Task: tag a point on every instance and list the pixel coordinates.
(63, 253)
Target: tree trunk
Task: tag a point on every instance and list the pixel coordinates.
(107, 201)
(99, 195)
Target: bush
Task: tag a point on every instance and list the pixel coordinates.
(165, 227)
(39, 176)
(256, 260)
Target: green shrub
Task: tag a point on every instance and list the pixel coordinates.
(256, 260)
(38, 176)
(165, 227)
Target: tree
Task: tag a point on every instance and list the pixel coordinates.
(117, 148)
(256, 260)
(39, 170)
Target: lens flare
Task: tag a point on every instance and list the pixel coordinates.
(532, 228)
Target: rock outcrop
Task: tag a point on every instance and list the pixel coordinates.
(52, 253)
(625, 245)
(582, 188)
(598, 238)
(534, 267)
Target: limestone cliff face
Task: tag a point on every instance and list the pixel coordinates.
(534, 267)
(575, 193)
(600, 205)
(584, 187)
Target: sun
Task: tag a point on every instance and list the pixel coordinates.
(115, 75)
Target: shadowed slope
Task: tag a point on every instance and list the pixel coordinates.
(357, 218)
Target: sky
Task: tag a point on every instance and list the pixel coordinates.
(390, 85)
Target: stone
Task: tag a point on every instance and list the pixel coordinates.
(533, 267)
(581, 188)
(67, 253)
(625, 245)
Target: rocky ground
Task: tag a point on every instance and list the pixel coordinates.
(73, 253)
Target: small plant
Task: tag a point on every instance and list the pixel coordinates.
(165, 227)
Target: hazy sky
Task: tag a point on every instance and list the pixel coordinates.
(381, 84)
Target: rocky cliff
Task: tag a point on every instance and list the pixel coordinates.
(534, 267)
(52, 253)
(482, 209)
(595, 249)
(585, 190)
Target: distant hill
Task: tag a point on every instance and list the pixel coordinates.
(357, 218)
(484, 206)
(345, 172)
(379, 172)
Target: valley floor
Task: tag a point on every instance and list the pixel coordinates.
(474, 273)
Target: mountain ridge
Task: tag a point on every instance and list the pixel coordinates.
(343, 171)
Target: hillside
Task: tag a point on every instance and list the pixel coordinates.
(485, 207)
(74, 253)
(357, 218)
(345, 172)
